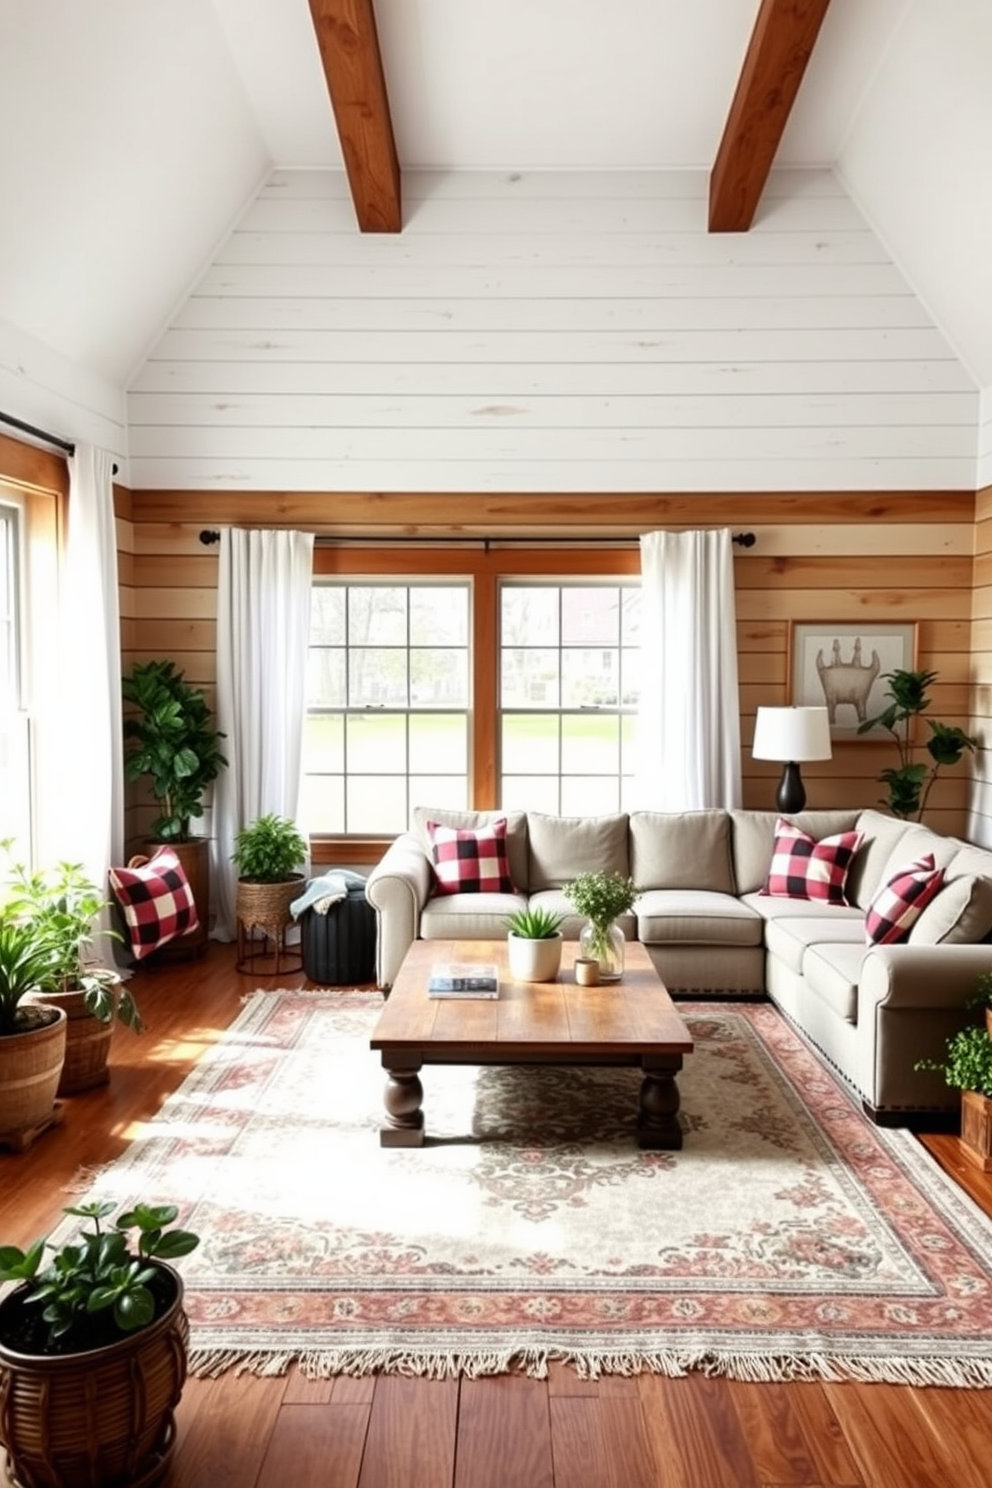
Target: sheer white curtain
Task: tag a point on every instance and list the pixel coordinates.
(688, 727)
(85, 760)
(263, 631)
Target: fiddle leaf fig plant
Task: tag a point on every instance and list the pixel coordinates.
(171, 738)
(910, 782)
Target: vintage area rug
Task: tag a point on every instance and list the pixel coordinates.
(788, 1239)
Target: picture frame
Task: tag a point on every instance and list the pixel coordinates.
(842, 666)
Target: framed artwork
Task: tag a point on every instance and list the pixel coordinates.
(842, 667)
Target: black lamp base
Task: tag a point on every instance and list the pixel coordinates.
(791, 794)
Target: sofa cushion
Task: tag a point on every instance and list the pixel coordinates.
(696, 916)
(770, 908)
(961, 914)
(832, 973)
(561, 847)
(468, 916)
(516, 833)
(470, 860)
(881, 837)
(681, 850)
(899, 901)
(753, 833)
(789, 938)
(803, 868)
(914, 843)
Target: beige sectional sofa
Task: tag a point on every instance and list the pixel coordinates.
(871, 1010)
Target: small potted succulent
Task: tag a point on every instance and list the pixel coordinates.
(97, 1330)
(533, 944)
(602, 897)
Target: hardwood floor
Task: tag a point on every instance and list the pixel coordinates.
(507, 1432)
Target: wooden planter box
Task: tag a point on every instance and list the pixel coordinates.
(976, 1128)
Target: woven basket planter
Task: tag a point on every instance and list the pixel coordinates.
(30, 1066)
(102, 1417)
(263, 915)
(87, 1042)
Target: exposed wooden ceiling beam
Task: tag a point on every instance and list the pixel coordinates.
(349, 50)
(781, 44)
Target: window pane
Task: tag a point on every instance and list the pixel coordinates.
(528, 616)
(377, 615)
(529, 741)
(375, 803)
(438, 742)
(529, 678)
(326, 678)
(323, 742)
(590, 617)
(327, 616)
(450, 791)
(439, 677)
(377, 675)
(376, 742)
(519, 793)
(322, 801)
(590, 742)
(589, 795)
(439, 616)
(590, 679)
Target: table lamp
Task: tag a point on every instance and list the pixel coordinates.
(791, 735)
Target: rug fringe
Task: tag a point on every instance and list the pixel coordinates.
(960, 1373)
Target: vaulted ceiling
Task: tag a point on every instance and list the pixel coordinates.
(137, 130)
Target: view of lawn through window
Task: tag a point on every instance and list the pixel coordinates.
(389, 699)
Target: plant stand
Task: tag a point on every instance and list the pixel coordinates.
(263, 919)
(20, 1141)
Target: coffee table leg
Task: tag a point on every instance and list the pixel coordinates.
(657, 1116)
(404, 1096)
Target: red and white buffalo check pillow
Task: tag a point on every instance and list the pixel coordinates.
(470, 860)
(156, 899)
(898, 904)
(802, 868)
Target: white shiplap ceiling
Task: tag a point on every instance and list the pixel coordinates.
(137, 130)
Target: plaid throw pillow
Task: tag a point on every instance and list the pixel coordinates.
(156, 899)
(470, 860)
(898, 904)
(802, 868)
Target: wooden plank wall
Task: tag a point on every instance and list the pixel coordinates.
(843, 557)
(979, 825)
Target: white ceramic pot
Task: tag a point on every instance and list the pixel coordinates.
(533, 960)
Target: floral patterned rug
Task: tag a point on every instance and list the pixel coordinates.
(787, 1239)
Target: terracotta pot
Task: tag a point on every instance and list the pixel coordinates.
(30, 1066)
(104, 1416)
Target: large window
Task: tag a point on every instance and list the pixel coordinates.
(15, 758)
(388, 703)
(569, 687)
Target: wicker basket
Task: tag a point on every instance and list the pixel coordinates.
(30, 1066)
(104, 1417)
(263, 916)
(87, 1042)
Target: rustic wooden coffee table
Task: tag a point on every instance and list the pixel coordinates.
(631, 1022)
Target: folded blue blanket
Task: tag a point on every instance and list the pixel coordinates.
(321, 894)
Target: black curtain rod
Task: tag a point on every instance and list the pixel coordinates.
(65, 445)
(744, 539)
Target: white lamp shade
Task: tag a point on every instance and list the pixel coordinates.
(791, 734)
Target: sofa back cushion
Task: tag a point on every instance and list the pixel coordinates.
(560, 847)
(753, 835)
(881, 840)
(516, 833)
(681, 850)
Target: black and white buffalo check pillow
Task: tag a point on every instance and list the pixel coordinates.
(900, 901)
(802, 868)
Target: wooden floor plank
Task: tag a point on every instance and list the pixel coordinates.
(891, 1444)
(504, 1434)
(578, 1450)
(693, 1420)
(411, 1435)
(828, 1446)
(313, 1445)
(961, 1421)
(225, 1426)
(775, 1438)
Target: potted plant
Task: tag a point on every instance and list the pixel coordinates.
(62, 907)
(32, 1037)
(911, 781)
(533, 944)
(267, 854)
(967, 1067)
(98, 1333)
(170, 738)
(602, 898)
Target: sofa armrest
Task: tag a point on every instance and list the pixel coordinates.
(920, 976)
(398, 888)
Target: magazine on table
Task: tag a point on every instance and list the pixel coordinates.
(464, 979)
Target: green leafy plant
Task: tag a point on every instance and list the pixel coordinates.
(25, 961)
(537, 923)
(98, 1275)
(268, 850)
(910, 782)
(602, 897)
(968, 1063)
(171, 738)
(60, 906)
(983, 992)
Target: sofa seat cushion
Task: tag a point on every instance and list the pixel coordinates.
(832, 973)
(771, 908)
(468, 916)
(789, 936)
(696, 916)
(681, 850)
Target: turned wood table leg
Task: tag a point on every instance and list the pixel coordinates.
(403, 1096)
(658, 1107)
